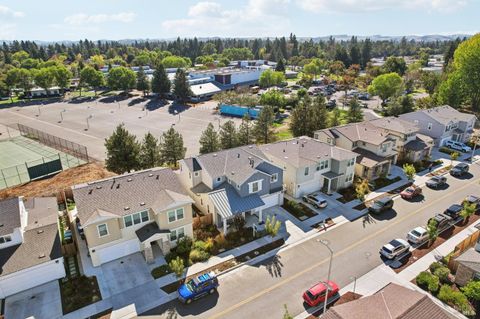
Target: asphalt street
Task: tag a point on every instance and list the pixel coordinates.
(260, 291)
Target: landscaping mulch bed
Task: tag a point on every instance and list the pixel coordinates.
(348, 194)
(383, 182)
(347, 297)
(440, 171)
(298, 210)
(320, 225)
(79, 292)
(170, 288)
(360, 206)
(443, 237)
(393, 192)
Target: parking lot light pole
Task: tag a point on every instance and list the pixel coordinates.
(354, 278)
(326, 243)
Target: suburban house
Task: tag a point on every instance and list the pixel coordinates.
(145, 211)
(310, 165)
(394, 302)
(468, 266)
(443, 123)
(375, 147)
(30, 248)
(409, 143)
(238, 181)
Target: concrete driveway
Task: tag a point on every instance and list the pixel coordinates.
(40, 302)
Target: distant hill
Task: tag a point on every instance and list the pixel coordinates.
(338, 37)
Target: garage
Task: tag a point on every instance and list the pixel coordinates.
(31, 277)
(309, 187)
(272, 200)
(111, 252)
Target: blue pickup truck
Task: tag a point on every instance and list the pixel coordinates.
(197, 287)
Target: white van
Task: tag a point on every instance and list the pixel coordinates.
(458, 146)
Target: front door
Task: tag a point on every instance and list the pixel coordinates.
(326, 185)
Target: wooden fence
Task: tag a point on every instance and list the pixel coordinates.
(202, 220)
(465, 244)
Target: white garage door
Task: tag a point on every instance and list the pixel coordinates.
(310, 187)
(272, 200)
(31, 277)
(120, 250)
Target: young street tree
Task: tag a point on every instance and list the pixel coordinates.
(122, 151)
(409, 170)
(432, 231)
(355, 113)
(272, 226)
(142, 82)
(209, 140)
(171, 147)
(160, 82)
(468, 210)
(263, 129)
(181, 88)
(121, 78)
(228, 135)
(150, 152)
(91, 77)
(245, 136)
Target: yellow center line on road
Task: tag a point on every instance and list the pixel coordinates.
(341, 252)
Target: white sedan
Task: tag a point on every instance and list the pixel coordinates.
(316, 199)
(418, 235)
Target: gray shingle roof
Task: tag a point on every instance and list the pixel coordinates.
(416, 145)
(445, 114)
(396, 124)
(41, 211)
(305, 151)
(129, 193)
(40, 245)
(237, 160)
(149, 230)
(393, 301)
(363, 131)
(9, 215)
(470, 258)
(368, 159)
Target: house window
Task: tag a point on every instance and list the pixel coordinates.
(102, 230)
(351, 162)
(175, 215)
(306, 171)
(326, 164)
(274, 178)
(255, 187)
(135, 219)
(349, 178)
(219, 179)
(5, 239)
(195, 174)
(385, 146)
(429, 126)
(176, 234)
(318, 167)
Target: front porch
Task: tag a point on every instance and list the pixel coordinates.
(154, 243)
(371, 166)
(330, 182)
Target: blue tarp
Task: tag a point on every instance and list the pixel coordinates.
(239, 111)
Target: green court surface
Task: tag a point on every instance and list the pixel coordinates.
(19, 152)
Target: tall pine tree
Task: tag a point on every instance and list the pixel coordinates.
(355, 113)
(122, 151)
(160, 82)
(181, 88)
(142, 82)
(171, 147)
(228, 135)
(150, 152)
(209, 140)
(245, 134)
(263, 129)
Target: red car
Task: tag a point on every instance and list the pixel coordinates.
(316, 294)
(410, 192)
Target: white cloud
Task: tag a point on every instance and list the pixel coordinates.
(85, 19)
(257, 18)
(353, 6)
(7, 12)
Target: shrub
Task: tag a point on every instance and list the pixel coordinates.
(434, 266)
(472, 290)
(456, 299)
(221, 241)
(184, 245)
(443, 274)
(177, 266)
(199, 245)
(427, 281)
(171, 256)
(197, 255)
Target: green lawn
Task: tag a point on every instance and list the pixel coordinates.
(284, 135)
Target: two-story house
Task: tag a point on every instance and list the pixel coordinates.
(310, 165)
(409, 143)
(145, 211)
(374, 146)
(236, 181)
(30, 248)
(443, 123)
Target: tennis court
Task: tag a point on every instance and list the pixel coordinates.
(18, 153)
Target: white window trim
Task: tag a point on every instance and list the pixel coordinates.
(133, 223)
(176, 234)
(274, 178)
(306, 171)
(106, 228)
(6, 239)
(175, 211)
(195, 174)
(260, 186)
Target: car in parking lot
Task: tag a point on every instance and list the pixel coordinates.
(453, 211)
(198, 287)
(459, 170)
(381, 205)
(443, 222)
(462, 147)
(436, 181)
(394, 248)
(417, 235)
(316, 294)
(316, 200)
(411, 192)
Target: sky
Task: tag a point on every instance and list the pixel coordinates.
(55, 20)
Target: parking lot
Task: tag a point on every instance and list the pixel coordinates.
(90, 122)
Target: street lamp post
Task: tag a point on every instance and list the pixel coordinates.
(326, 243)
(354, 278)
(475, 138)
(88, 123)
(61, 115)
